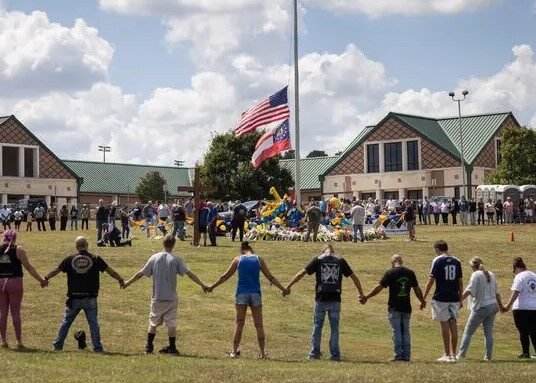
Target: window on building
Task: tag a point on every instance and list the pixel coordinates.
(498, 145)
(373, 158)
(413, 155)
(393, 156)
(29, 162)
(10, 161)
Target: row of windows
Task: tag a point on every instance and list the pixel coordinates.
(392, 155)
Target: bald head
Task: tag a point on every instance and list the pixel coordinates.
(81, 243)
(396, 260)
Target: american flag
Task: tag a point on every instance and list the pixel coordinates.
(273, 109)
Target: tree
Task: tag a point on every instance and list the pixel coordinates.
(227, 167)
(151, 187)
(518, 158)
(317, 153)
(289, 155)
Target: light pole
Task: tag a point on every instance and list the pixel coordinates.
(104, 149)
(459, 101)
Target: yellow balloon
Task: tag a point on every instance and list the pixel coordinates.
(334, 202)
(278, 220)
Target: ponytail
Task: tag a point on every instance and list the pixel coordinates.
(478, 264)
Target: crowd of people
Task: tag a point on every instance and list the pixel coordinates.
(83, 268)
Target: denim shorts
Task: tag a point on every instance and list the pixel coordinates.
(249, 299)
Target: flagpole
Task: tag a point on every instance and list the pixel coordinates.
(297, 194)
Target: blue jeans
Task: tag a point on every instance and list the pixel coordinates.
(334, 312)
(401, 335)
(178, 229)
(485, 316)
(99, 224)
(360, 229)
(89, 305)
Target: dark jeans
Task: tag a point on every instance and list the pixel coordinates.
(238, 225)
(333, 309)
(454, 222)
(41, 223)
(312, 227)
(436, 218)
(178, 229)
(52, 223)
(86, 222)
(499, 217)
(89, 305)
(99, 229)
(212, 233)
(481, 216)
(63, 223)
(358, 228)
(125, 231)
(525, 321)
(445, 217)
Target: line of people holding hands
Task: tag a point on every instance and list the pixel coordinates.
(83, 269)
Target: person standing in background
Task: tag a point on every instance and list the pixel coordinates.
(101, 217)
(499, 212)
(52, 214)
(84, 215)
(74, 217)
(464, 210)
(472, 211)
(212, 218)
(64, 217)
(481, 207)
(39, 214)
(508, 208)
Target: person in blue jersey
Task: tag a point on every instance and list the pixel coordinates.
(446, 273)
(329, 268)
(248, 293)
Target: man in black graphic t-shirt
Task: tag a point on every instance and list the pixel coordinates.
(329, 269)
(400, 280)
(238, 220)
(83, 285)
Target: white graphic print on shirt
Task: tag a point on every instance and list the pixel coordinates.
(330, 273)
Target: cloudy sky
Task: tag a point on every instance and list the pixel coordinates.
(155, 79)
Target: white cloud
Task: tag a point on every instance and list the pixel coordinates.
(37, 56)
(378, 8)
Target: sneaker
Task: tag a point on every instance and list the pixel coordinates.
(444, 358)
(149, 348)
(452, 359)
(397, 360)
(336, 359)
(169, 350)
(459, 357)
(486, 359)
(524, 356)
(129, 242)
(80, 337)
(314, 357)
(5, 345)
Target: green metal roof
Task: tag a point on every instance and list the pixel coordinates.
(116, 178)
(430, 128)
(310, 170)
(476, 132)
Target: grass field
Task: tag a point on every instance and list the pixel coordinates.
(206, 322)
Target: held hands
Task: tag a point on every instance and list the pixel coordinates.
(122, 284)
(363, 299)
(423, 305)
(207, 289)
(286, 291)
(43, 283)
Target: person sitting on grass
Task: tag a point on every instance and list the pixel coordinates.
(329, 268)
(163, 267)
(83, 285)
(248, 293)
(112, 236)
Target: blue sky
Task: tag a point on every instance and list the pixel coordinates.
(163, 59)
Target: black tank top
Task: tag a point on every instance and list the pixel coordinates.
(10, 265)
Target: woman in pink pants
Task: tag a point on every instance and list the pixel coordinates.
(12, 259)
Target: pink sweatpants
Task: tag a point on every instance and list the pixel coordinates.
(10, 300)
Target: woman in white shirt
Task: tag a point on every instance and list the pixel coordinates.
(485, 304)
(523, 305)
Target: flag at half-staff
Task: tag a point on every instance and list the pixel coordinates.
(272, 143)
(273, 109)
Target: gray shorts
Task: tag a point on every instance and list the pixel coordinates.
(444, 311)
(249, 299)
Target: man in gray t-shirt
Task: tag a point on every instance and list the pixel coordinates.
(163, 268)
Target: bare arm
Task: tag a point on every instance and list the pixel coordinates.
(465, 294)
(112, 273)
(134, 278)
(270, 277)
(513, 298)
(420, 296)
(375, 291)
(194, 278)
(357, 284)
(228, 274)
(296, 278)
(21, 254)
(460, 283)
(428, 287)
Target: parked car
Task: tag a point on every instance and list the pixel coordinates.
(29, 204)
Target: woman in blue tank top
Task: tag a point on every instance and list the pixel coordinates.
(248, 293)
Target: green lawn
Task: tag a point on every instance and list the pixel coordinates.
(206, 321)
